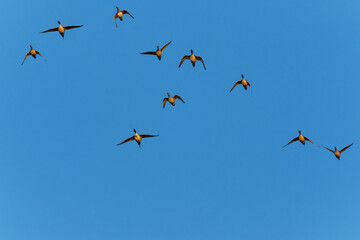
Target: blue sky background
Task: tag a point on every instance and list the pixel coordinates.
(217, 171)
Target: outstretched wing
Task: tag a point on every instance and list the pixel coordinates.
(186, 57)
(149, 53)
(198, 58)
(71, 27)
(40, 54)
(50, 30)
(309, 140)
(126, 12)
(165, 46)
(237, 83)
(293, 140)
(115, 16)
(346, 148)
(127, 140)
(250, 87)
(164, 102)
(28, 54)
(329, 149)
(147, 135)
(178, 97)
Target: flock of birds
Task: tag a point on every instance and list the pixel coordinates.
(193, 59)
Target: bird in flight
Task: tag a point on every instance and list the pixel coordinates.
(244, 82)
(158, 51)
(137, 137)
(171, 100)
(119, 14)
(337, 152)
(300, 138)
(61, 29)
(32, 53)
(192, 59)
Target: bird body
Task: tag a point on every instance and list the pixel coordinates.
(192, 59)
(137, 137)
(120, 14)
(32, 53)
(338, 153)
(243, 82)
(171, 100)
(158, 51)
(61, 29)
(301, 138)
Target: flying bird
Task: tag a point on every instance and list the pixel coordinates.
(300, 138)
(61, 29)
(171, 100)
(337, 152)
(137, 137)
(244, 82)
(119, 14)
(158, 51)
(192, 59)
(32, 53)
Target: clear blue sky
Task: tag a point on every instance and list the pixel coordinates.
(217, 171)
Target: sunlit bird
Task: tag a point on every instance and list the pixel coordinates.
(338, 153)
(244, 82)
(137, 137)
(61, 29)
(158, 51)
(192, 59)
(300, 138)
(171, 100)
(119, 14)
(32, 53)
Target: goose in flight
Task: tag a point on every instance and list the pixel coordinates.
(337, 153)
(32, 53)
(244, 82)
(158, 51)
(119, 14)
(300, 138)
(137, 137)
(192, 59)
(171, 100)
(61, 29)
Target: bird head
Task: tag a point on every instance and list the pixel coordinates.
(242, 75)
(31, 47)
(191, 51)
(157, 47)
(299, 132)
(168, 94)
(134, 130)
(59, 22)
(117, 8)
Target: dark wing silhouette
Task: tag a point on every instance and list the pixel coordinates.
(71, 27)
(329, 149)
(178, 97)
(28, 54)
(149, 53)
(250, 87)
(115, 16)
(147, 135)
(309, 140)
(186, 57)
(126, 12)
(237, 83)
(127, 140)
(164, 102)
(198, 58)
(346, 148)
(165, 46)
(293, 140)
(40, 54)
(50, 30)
